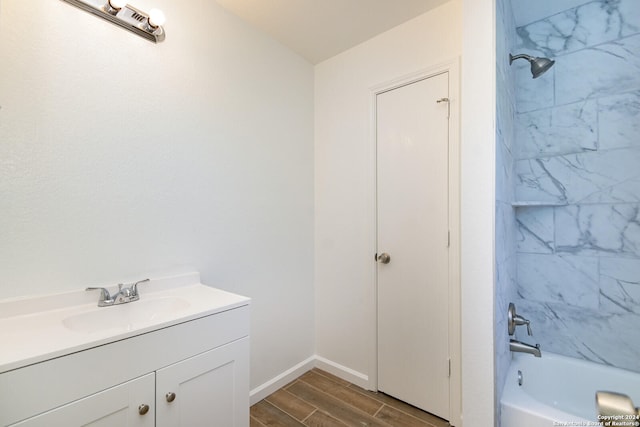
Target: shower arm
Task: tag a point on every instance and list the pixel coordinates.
(520, 56)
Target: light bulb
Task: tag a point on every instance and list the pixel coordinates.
(117, 4)
(156, 18)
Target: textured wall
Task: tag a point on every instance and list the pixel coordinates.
(505, 287)
(344, 221)
(122, 159)
(578, 137)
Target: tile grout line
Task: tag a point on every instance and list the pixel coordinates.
(382, 404)
(333, 397)
(349, 386)
(355, 408)
(426, 423)
(332, 378)
(256, 420)
(309, 416)
(266, 399)
(378, 411)
(394, 408)
(346, 385)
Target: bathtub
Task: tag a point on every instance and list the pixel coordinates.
(558, 390)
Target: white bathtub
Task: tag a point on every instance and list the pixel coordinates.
(558, 390)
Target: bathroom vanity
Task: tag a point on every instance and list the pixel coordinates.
(177, 357)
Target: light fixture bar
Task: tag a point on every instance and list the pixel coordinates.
(127, 17)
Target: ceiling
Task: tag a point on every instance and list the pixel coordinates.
(320, 29)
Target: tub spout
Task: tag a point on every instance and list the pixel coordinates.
(521, 347)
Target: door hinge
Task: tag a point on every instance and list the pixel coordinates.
(448, 105)
(449, 363)
(448, 239)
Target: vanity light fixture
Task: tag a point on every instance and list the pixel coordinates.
(126, 16)
(156, 19)
(115, 6)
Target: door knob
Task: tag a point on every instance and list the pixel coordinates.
(383, 258)
(170, 397)
(143, 409)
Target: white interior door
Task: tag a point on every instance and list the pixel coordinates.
(412, 229)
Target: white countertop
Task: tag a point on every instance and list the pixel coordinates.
(33, 330)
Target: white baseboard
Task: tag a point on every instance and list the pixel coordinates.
(355, 377)
(348, 374)
(264, 390)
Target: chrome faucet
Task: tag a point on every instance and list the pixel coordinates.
(521, 347)
(513, 320)
(122, 296)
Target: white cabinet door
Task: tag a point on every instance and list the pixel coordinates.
(207, 390)
(115, 407)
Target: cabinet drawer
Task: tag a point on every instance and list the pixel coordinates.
(47, 385)
(116, 406)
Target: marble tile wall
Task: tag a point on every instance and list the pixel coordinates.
(577, 182)
(505, 287)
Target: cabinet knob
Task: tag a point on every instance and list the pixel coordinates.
(143, 409)
(170, 396)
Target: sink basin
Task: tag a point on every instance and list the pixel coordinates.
(44, 327)
(126, 317)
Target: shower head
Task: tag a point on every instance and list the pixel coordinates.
(538, 65)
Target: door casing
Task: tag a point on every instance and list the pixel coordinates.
(453, 68)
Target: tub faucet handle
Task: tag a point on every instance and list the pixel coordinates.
(515, 319)
(519, 320)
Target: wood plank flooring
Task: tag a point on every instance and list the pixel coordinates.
(319, 399)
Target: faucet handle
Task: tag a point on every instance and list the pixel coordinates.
(104, 293)
(514, 319)
(134, 287)
(125, 292)
(511, 318)
(519, 321)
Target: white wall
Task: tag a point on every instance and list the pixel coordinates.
(344, 227)
(478, 211)
(121, 159)
(344, 222)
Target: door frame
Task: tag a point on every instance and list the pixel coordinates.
(453, 68)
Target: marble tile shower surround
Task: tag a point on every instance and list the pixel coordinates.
(584, 26)
(603, 176)
(577, 153)
(593, 124)
(558, 130)
(594, 72)
(596, 335)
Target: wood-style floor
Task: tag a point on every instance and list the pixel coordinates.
(319, 399)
